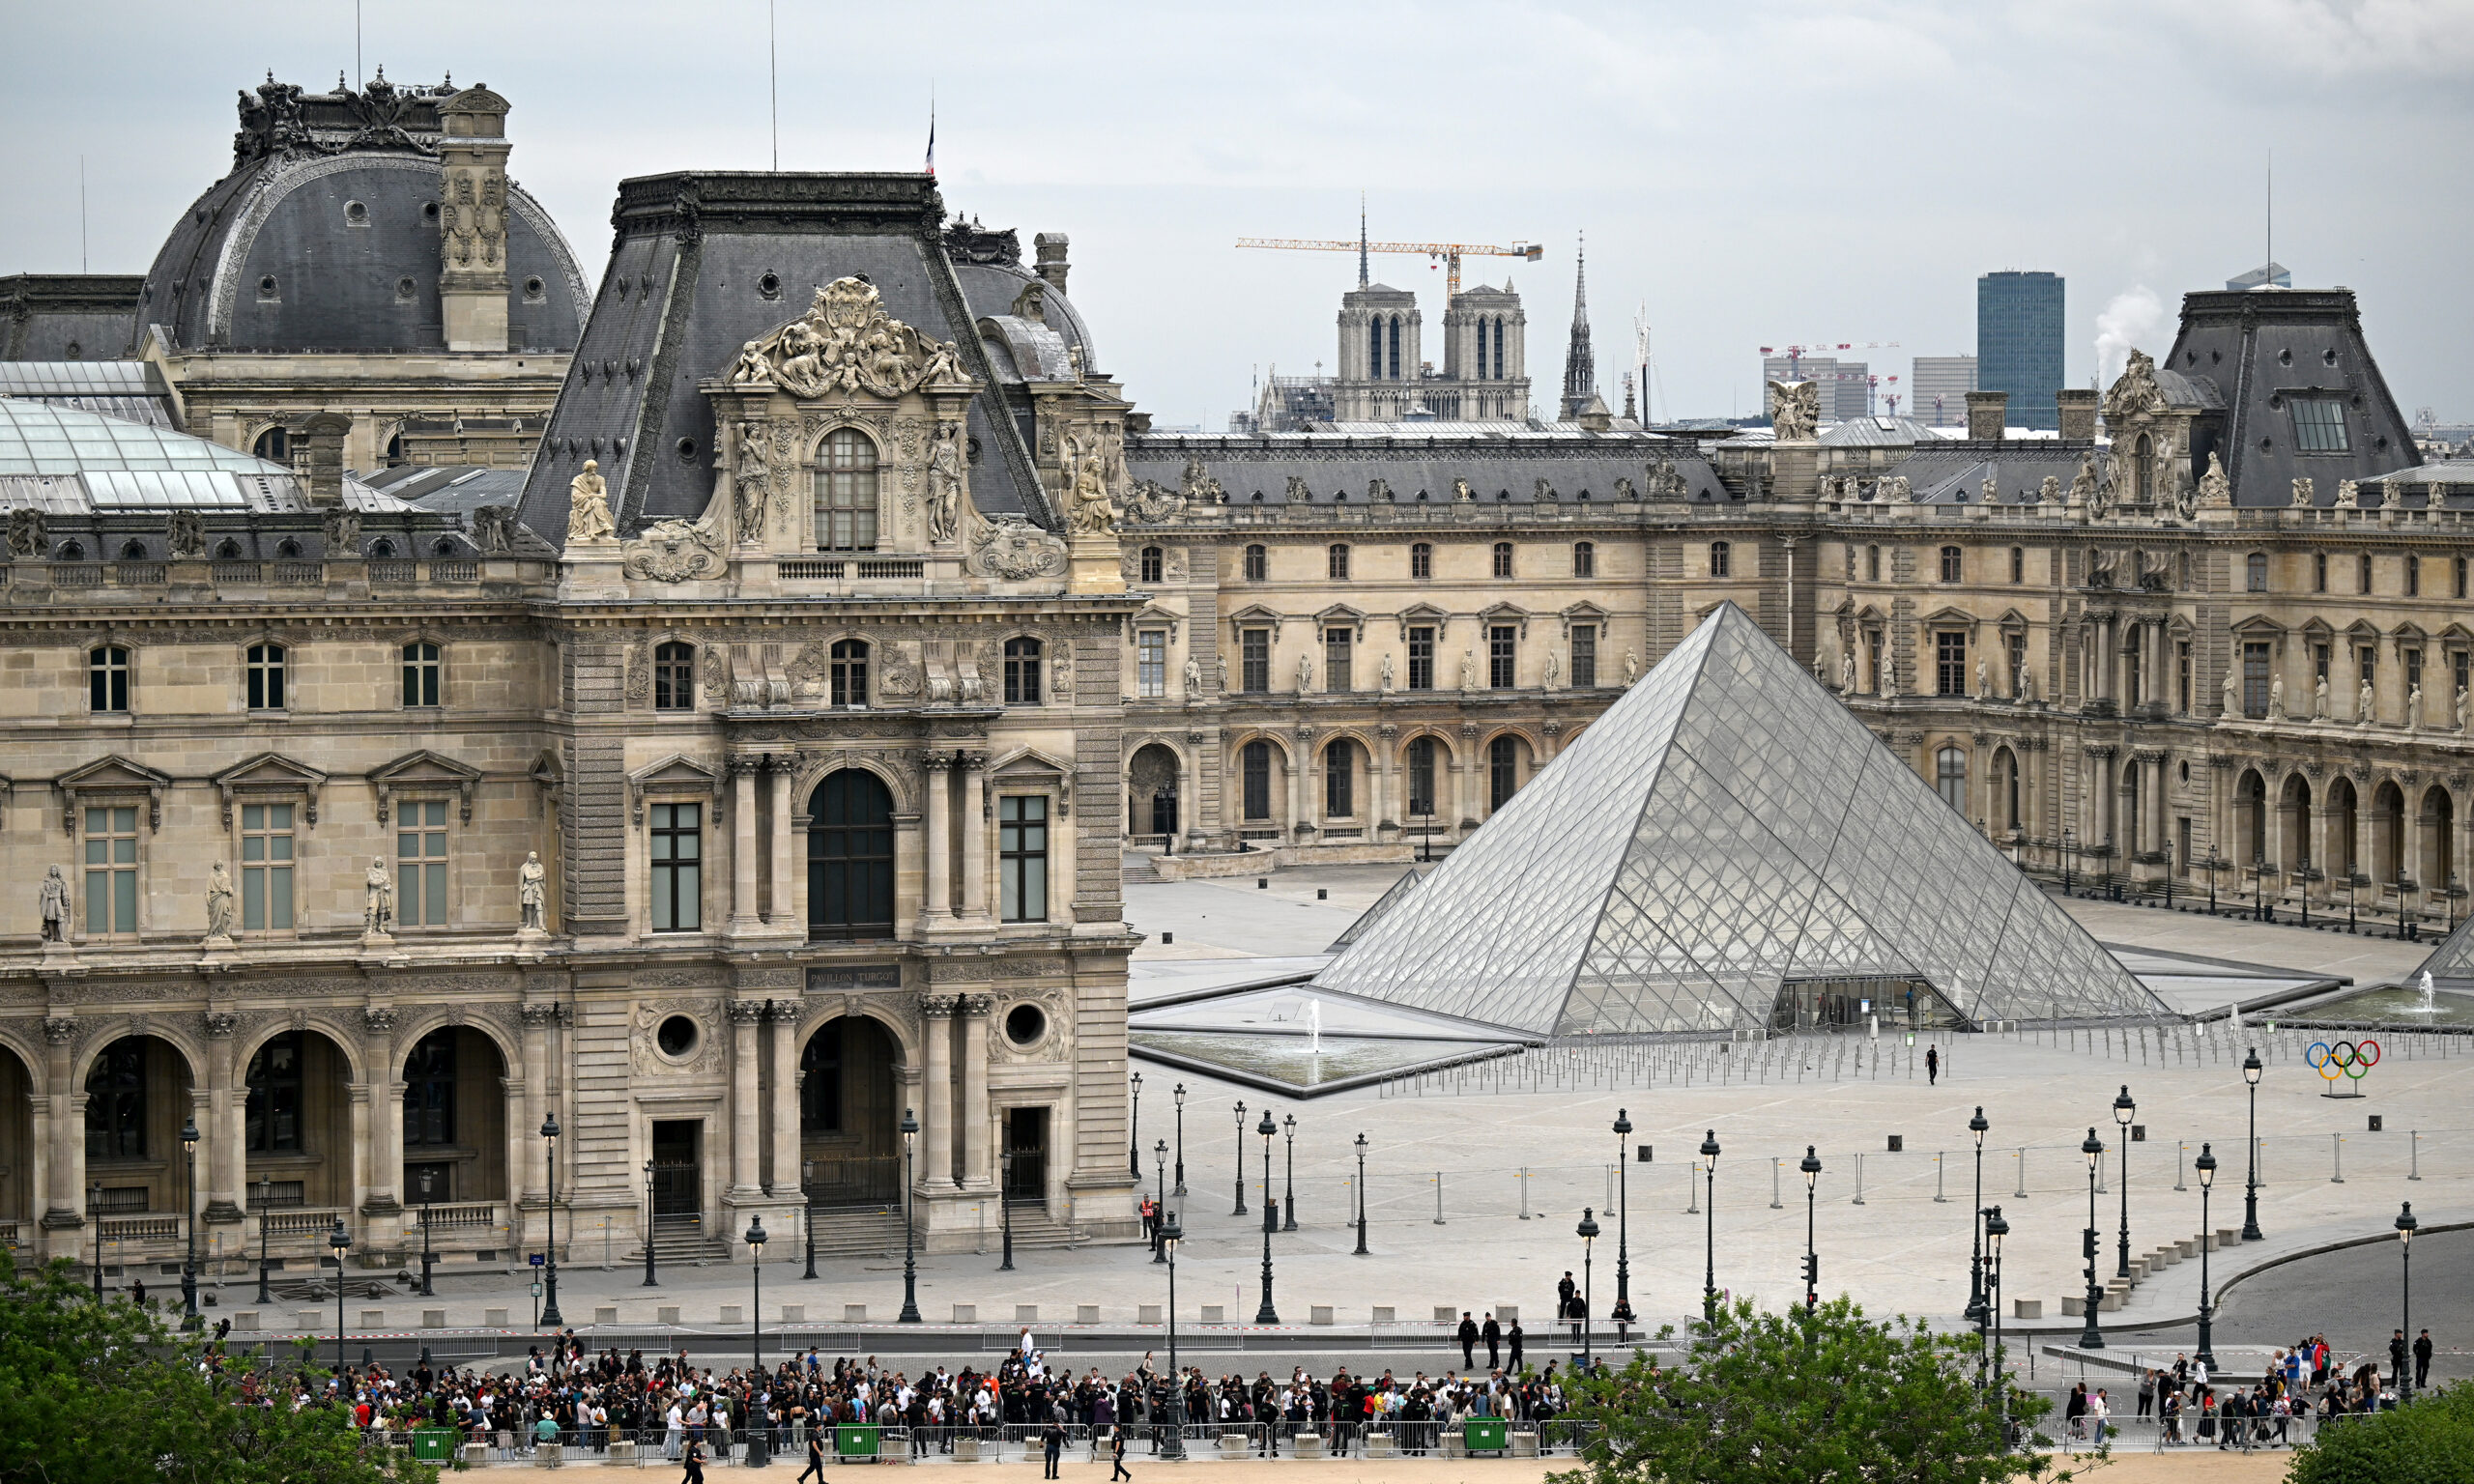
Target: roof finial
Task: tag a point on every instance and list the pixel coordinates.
(1361, 277)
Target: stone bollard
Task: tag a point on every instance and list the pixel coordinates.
(891, 1449)
(605, 1314)
(547, 1455)
(308, 1318)
(1147, 1314)
(1086, 1313)
(622, 1454)
(433, 1319)
(966, 1450)
(477, 1455)
(1524, 1444)
(666, 1314)
(1318, 1314)
(1027, 1313)
(797, 1313)
(1211, 1313)
(2027, 1308)
(494, 1318)
(1233, 1445)
(1382, 1445)
(1455, 1442)
(966, 1313)
(244, 1319)
(734, 1314)
(1307, 1445)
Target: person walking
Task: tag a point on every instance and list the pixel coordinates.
(1116, 1456)
(1932, 1065)
(695, 1460)
(816, 1456)
(1468, 1337)
(1493, 1334)
(1052, 1446)
(2397, 1350)
(2422, 1360)
(1514, 1335)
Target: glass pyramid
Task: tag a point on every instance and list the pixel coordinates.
(1391, 898)
(1726, 838)
(2454, 958)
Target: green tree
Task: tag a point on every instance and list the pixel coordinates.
(2429, 1440)
(102, 1393)
(1798, 1398)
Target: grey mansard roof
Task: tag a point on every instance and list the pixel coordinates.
(1501, 467)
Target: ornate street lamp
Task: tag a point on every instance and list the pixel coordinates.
(2090, 1336)
(1288, 1183)
(266, 1205)
(2125, 1110)
(1623, 1311)
(1266, 1314)
(755, 1240)
(1133, 1132)
(1241, 1163)
(1160, 1207)
(1978, 1127)
(1812, 1259)
(910, 1240)
(189, 1319)
(807, 1226)
(550, 1315)
(1360, 1197)
(95, 1215)
(1586, 1231)
(1994, 1229)
(1174, 1445)
(1180, 1096)
(1709, 1202)
(340, 1243)
(1005, 1207)
(429, 1259)
(652, 1278)
(2205, 1164)
(2251, 1070)
(2405, 1227)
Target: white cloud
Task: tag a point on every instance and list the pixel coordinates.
(2131, 322)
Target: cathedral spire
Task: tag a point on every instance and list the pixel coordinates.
(1580, 362)
(1362, 279)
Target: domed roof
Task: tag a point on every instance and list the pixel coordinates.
(326, 236)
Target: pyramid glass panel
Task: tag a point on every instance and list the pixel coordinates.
(1726, 831)
(2454, 958)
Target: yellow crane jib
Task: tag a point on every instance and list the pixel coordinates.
(1450, 252)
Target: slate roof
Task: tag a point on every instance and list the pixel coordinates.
(68, 316)
(1948, 472)
(1337, 468)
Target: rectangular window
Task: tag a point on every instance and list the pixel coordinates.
(111, 869)
(1254, 662)
(2413, 576)
(2319, 425)
(1151, 663)
(1422, 775)
(266, 677)
(1339, 781)
(2362, 574)
(1503, 654)
(674, 677)
(1949, 663)
(265, 867)
(2183, 843)
(116, 1107)
(420, 675)
(1584, 656)
(2182, 676)
(1021, 851)
(2367, 663)
(2318, 571)
(2018, 563)
(2413, 670)
(107, 680)
(2254, 679)
(678, 861)
(1337, 654)
(1421, 561)
(2461, 666)
(2460, 565)
(429, 1101)
(1336, 563)
(1021, 671)
(2319, 662)
(1421, 658)
(421, 864)
(1258, 780)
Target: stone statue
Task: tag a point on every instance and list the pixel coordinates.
(1554, 670)
(2414, 709)
(185, 535)
(531, 901)
(379, 900)
(589, 507)
(946, 483)
(1094, 513)
(2232, 693)
(1846, 671)
(2460, 709)
(2276, 699)
(1794, 410)
(754, 480)
(1821, 670)
(1193, 676)
(1468, 669)
(2302, 494)
(2082, 483)
(1305, 674)
(54, 897)
(1388, 676)
(1983, 679)
(2364, 703)
(2050, 491)
(2216, 490)
(1631, 667)
(2169, 474)
(2021, 682)
(219, 903)
(1461, 490)
(1990, 491)
(1901, 488)
(2349, 493)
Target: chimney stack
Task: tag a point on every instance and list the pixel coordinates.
(321, 442)
(2077, 407)
(1049, 250)
(471, 217)
(1988, 415)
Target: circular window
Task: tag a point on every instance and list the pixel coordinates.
(2328, 357)
(770, 286)
(677, 1037)
(687, 449)
(2186, 772)
(266, 286)
(429, 211)
(357, 214)
(533, 288)
(405, 288)
(1026, 1024)
(2284, 358)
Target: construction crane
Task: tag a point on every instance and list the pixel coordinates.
(1450, 253)
(1795, 353)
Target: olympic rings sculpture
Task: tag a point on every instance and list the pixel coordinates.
(2343, 1059)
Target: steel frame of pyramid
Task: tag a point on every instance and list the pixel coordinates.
(1726, 830)
(2453, 958)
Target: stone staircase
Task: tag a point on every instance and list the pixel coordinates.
(1139, 867)
(2117, 1288)
(685, 1241)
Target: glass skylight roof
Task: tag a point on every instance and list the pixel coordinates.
(74, 379)
(1726, 828)
(45, 439)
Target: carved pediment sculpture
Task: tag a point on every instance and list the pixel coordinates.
(1297, 493)
(846, 342)
(1199, 485)
(2135, 391)
(2049, 492)
(183, 534)
(1899, 487)
(1461, 490)
(1152, 501)
(674, 551)
(1014, 549)
(1794, 410)
(25, 532)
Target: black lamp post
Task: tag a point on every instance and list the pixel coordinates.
(189, 1319)
(1362, 1198)
(95, 1215)
(429, 1259)
(2125, 1110)
(2405, 1225)
(1978, 1126)
(1710, 1203)
(755, 1240)
(1180, 1096)
(1005, 1208)
(1288, 1177)
(2090, 1336)
(2069, 856)
(2205, 1164)
(2251, 1070)
(1266, 1314)
(1159, 1208)
(1812, 1259)
(1994, 1229)
(1241, 1164)
(550, 1315)
(807, 1227)
(340, 1243)
(1133, 1132)
(652, 1278)
(1586, 1231)
(1174, 1444)
(909, 1238)
(1623, 1311)
(266, 1207)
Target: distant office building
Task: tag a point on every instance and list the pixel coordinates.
(2273, 276)
(1842, 382)
(2018, 343)
(1938, 387)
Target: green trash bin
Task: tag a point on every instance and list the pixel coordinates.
(434, 1446)
(854, 1440)
(1484, 1435)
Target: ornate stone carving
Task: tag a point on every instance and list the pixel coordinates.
(846, 342)
(1199, 486)
(589, 519)
(183, 536)
(59, 1030)
(494, 529)
(342, 530)
(378, 1019)
(752, 480)
(2303, 492)
(26, 532)
(1794, 410)
(1011, 548)
(1151, 503)
(945, 474)
(220, 1024)
(1091, 510)
(2135, 391)
(2216, 490)
(674, 552)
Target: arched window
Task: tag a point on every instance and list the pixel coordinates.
(275, 446)
(1421, 561)
(851, 856)
(846, 492)
(1503, 558)
(1021, 671)
(2005, 789)
(675, 677)
(1151, 563)
(1720, 559)
(1256, 767)
(849, 666)
(1340, 780)
(1374, 349)
(1422, 775)
(1258, 563)
(2255, 571)
(288, 549)
(2142, 470)
(1953, 564)
(227, 550)
(107, 680)
(1503, 771)
(382, 549)
(132, 551)
(1584, 559)
(394, 450)
(73, 551)
(1336, 562)
(1950, 777)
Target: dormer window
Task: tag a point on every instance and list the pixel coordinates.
(846, 492)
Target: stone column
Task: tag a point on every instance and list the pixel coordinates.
(386, 1167)
(745, 1015)
(936, 1092)
(2105, 677)
(974, 1010)
(1388, 803)
(743, 913)
(975, 827)
(786, 1183)
(223, 1169)
(1301, 798)
(2364, 863)
(536, 1019)
(784, 903)
(936, 904)
(2158, 833)
(65, 1114)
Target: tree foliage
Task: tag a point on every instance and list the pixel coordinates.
(1797, 1398)
(2429, 1440)
(102, 1393)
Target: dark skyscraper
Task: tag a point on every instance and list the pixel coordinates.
(2018, 343)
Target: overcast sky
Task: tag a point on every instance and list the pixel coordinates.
(1748, 174)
